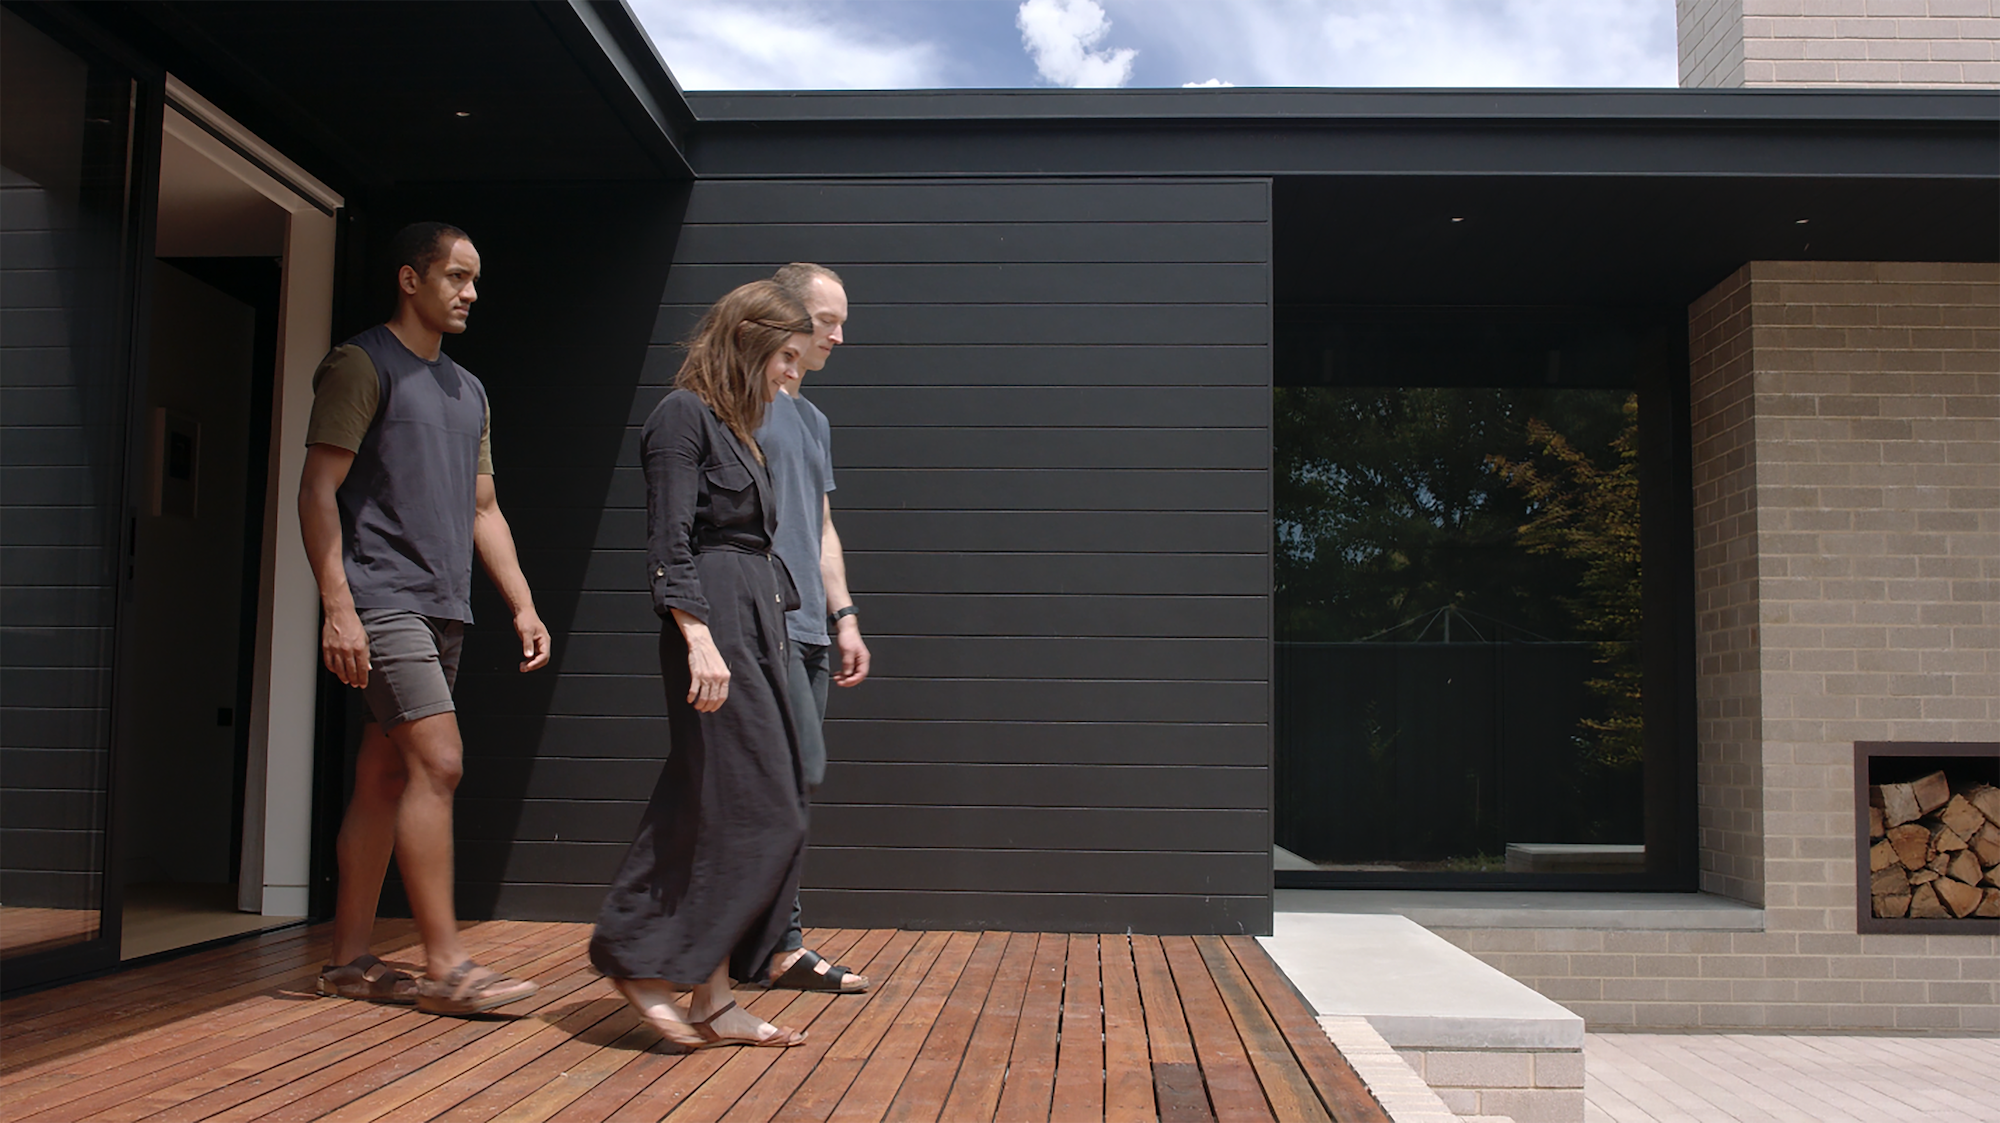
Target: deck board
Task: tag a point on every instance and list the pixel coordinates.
(1031, 1066)
(959, 1026)
(1128, 1070)
(1079, 1090)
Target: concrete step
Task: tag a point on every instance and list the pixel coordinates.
(1482, 1043)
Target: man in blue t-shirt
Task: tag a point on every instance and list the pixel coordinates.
(826, 629)
(395, 500)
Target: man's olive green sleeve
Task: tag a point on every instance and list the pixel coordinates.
(345, 393)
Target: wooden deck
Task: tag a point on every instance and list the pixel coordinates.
(960, 1026)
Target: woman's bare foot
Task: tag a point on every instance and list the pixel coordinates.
(654, 1001)
(726, 1023)
(830, 977)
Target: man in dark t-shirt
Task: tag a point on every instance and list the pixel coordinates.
(826, 629)
(395, 500)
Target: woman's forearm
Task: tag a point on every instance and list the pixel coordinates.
(693, 630)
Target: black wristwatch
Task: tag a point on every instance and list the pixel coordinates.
(833, 621)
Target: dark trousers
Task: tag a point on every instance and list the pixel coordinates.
(810, 673)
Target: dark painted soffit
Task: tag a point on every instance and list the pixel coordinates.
(368, 93)
(1842, 133)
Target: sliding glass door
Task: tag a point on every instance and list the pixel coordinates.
(65, 247)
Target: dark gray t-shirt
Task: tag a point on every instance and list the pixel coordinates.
(798, 449)
(406, 506)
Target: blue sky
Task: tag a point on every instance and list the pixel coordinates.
(944, 44)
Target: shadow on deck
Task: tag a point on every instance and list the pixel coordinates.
(960, 1026)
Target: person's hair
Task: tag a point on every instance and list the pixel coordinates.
(797, 278)
(729, 348)
(421, 245)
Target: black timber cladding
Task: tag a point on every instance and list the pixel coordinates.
(1051, 444)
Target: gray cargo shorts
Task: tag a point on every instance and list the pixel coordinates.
(413, 664)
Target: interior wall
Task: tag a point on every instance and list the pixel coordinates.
(186, 593)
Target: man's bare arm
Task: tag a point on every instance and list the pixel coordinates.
(833, 574)
(343, 643)
(495, 542)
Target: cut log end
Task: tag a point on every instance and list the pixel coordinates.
(1962, 817)
(1986, 798)
(1881, 856)
(1897, 801)
(1957, 896)
(1891, 882)
(1986, 844)
(1912, 843)
(1898, 904)
(1964, 867)
(1924, 904)
(1931, 792)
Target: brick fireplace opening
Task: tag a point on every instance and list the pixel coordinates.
(1927, 837)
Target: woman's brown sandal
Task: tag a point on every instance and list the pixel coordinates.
(676, 1032)
(778, 1038)
(460, 993)
(368, 979)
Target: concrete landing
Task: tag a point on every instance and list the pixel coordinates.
(1460, 1032)
(1417, 990)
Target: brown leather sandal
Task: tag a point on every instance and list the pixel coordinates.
(459, 993)
(368, 979)
(779, 1038)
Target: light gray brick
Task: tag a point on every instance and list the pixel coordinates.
(1559, 1070)
(1486, 1069)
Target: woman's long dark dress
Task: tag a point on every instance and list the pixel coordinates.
(716, 865)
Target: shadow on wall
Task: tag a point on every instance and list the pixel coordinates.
(569, 294)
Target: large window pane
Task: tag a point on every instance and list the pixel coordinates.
(1461, 632)
(62, 431)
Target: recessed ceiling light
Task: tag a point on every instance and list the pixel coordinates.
(464, 113)
(1802, 222)
(1458, 220)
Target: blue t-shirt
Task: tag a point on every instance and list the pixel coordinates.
(798, 450)
(407, 504)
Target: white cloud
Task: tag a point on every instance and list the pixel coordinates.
(1414, 43)
(1212, 83)
(1060, 36)
(782, 45)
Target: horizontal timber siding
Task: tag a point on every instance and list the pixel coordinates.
(1051, 439)
(61, 491)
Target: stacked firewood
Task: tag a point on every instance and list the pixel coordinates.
(1935, 852)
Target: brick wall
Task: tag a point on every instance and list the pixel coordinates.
(1728, 690)
(1847, 460)
(1711, 42)
(1884, 43)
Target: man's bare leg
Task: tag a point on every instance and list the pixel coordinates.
(367, 839)
(432, 757)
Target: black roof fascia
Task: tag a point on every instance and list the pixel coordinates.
(1318, 104)
(607, 40)
(1840, 133)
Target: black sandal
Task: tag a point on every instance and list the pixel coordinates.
(803, 975)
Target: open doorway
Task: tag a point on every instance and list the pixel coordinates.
(215, 731)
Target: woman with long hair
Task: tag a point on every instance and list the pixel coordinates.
(705, 893)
